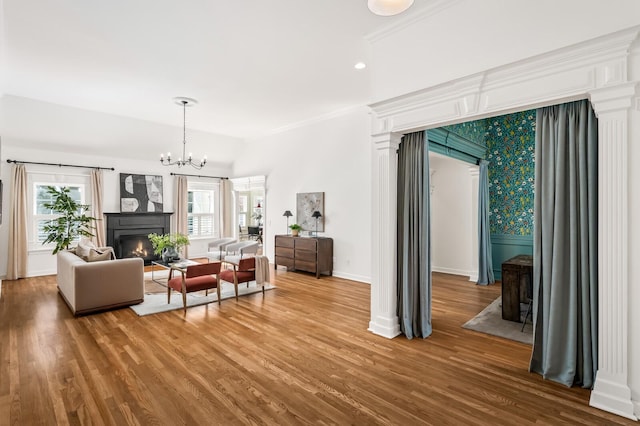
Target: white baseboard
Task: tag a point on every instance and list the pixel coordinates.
(352, 277)
(42, 273)
(453, 271)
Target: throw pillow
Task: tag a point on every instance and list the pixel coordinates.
(84, 247)
(98, 256)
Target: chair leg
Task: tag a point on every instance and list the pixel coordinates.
(168, 294)
(184, 301)
(527, 315)
(235, 283)
(218, 291)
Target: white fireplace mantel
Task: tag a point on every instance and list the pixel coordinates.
(596, 70)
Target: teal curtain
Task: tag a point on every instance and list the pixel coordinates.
(485, 264)
(565, 261)
(414, 237)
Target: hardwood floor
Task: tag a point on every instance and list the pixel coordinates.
(300, 354)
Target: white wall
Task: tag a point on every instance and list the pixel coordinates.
(451, 216)
(331, 156)
(41, 262)
(473, 36)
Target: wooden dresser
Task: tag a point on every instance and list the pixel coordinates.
(310, 254)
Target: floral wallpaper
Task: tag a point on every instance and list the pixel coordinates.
(472, 130)
(510, 141)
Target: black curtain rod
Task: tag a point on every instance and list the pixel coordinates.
(199, 176)
(60, 165)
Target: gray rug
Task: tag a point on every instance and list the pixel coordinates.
(155, 298)
(490, 321)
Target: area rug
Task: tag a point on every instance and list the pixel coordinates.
(155, 298)
(490, 321)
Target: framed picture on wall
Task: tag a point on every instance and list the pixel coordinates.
(306, 204)
(140, 193)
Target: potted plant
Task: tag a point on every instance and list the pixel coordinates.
(168, 245)
(295, 229)
(72, 222)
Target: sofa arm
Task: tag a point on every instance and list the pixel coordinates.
(108, 283)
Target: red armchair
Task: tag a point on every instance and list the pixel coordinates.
(244, 271)
(194, 278)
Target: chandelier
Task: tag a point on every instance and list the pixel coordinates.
(184, 160)
(389, 7)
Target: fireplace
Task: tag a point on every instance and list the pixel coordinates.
(127, 233)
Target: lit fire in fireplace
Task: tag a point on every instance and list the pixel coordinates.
(139, 251)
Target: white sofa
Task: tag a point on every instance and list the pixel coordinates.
(96, 286)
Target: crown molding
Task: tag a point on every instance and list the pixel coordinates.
(564, 74)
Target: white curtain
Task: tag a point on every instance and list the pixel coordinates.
(227, 209)
(180, 223)
(97, 195)
(17, 253)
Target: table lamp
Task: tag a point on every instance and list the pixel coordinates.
(288, 214)
(317, 215)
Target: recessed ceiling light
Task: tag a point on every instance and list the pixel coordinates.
(360, 66)
(389, 7)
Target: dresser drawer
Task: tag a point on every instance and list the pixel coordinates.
(284, 251)
(284, 241)
(305, 244)
(305, 266)
(285, 261)
(305, 255)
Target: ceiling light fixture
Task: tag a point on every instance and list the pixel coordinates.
(184, 160)
(389, 7)
(360, 66)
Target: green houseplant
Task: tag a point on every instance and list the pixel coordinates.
(72, 223)
(168, 245)
(295, 229)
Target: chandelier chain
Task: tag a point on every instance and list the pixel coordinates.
(183, 161)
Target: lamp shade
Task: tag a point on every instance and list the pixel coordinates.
(287, 213)
(389, 7)
(316, 214)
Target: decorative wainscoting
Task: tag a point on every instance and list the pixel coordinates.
(504, 247)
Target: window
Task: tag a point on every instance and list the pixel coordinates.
(41, 214)
(38, 196)
(242, 211)
(202, 210)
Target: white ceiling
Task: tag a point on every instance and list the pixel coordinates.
(253, 65)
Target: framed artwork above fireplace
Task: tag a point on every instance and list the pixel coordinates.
(140, 193)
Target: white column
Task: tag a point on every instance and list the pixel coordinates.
(384, 318)
(474, 175)
(611, 391)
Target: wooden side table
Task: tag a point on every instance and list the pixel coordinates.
(517, 274)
